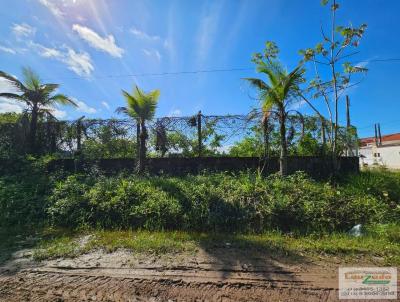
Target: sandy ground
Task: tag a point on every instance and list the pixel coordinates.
(213, 274)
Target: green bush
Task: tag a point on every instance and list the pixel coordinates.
(119, 202)
(68, 205)
(23, 200)
(382, 184)
(217, 202)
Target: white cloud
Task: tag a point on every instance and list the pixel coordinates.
(6, 86)
(83, 107)
(10, 106)
(106, 105)
(297, 105)
(208, 30)
(152, 53)
(143, 35)
(175, 112)
(46, 52)
(7, 49)
(362, 64)
(23, 30)
(78, 62)
(59, 114)
(54, 9)
(106, 44)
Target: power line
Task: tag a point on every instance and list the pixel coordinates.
(151, 74)
(159, 74)
(384, 123)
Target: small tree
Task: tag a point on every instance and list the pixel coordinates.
(142, 107)
(277, 94)
(37, 96)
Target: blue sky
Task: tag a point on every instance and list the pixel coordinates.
(89, 46)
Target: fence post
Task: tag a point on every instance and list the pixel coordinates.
(199, 133)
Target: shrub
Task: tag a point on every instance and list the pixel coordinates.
(132, 202)
(23, 200)
(221, 202)
(69, 206)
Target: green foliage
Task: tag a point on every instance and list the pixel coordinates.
(106, 142)
(249, 146)
(10, 117)
(22, 200)
(141, 105)
(333, 75)
(218, 202)
(381, 184)
(68, 205)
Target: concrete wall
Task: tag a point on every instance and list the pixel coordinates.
(389, 156)
(316, 167)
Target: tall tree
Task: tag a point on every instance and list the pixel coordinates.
(37, 96)
(142, 107)
(333, 72)
(276, 95)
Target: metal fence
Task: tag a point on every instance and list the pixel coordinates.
(187, 136)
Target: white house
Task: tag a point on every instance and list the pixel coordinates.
(380, 151)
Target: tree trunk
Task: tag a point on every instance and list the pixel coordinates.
(137, 139)
(283, 157)
(142, 153)
(33, 128)
(265, 125)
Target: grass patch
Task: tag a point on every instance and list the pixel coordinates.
(142, 241)
(275, 244)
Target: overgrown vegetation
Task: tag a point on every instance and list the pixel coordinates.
(222, 202)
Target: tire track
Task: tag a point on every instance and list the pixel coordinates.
(65, 286)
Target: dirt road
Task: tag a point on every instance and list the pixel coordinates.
(206, 275)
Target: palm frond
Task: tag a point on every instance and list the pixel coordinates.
(258, 83)
(121, 110)
(61, 99)
(13, 81)
(293, 80)
(273, 70)
(141, 105)
(31, 79)
(49, 88)
(12, 96)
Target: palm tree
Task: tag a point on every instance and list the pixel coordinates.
(38, 97)
(276, 95)
(141, 106)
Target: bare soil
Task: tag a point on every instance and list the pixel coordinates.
(213, 274)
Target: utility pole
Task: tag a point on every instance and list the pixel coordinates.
(379, 134)
(199, 133)
(349, 150)
(376, 135)
(348, 111)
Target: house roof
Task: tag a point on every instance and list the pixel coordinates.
(385, 138)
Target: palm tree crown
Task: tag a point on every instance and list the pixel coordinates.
(141, 105)
(282, 86)
(33, 92)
